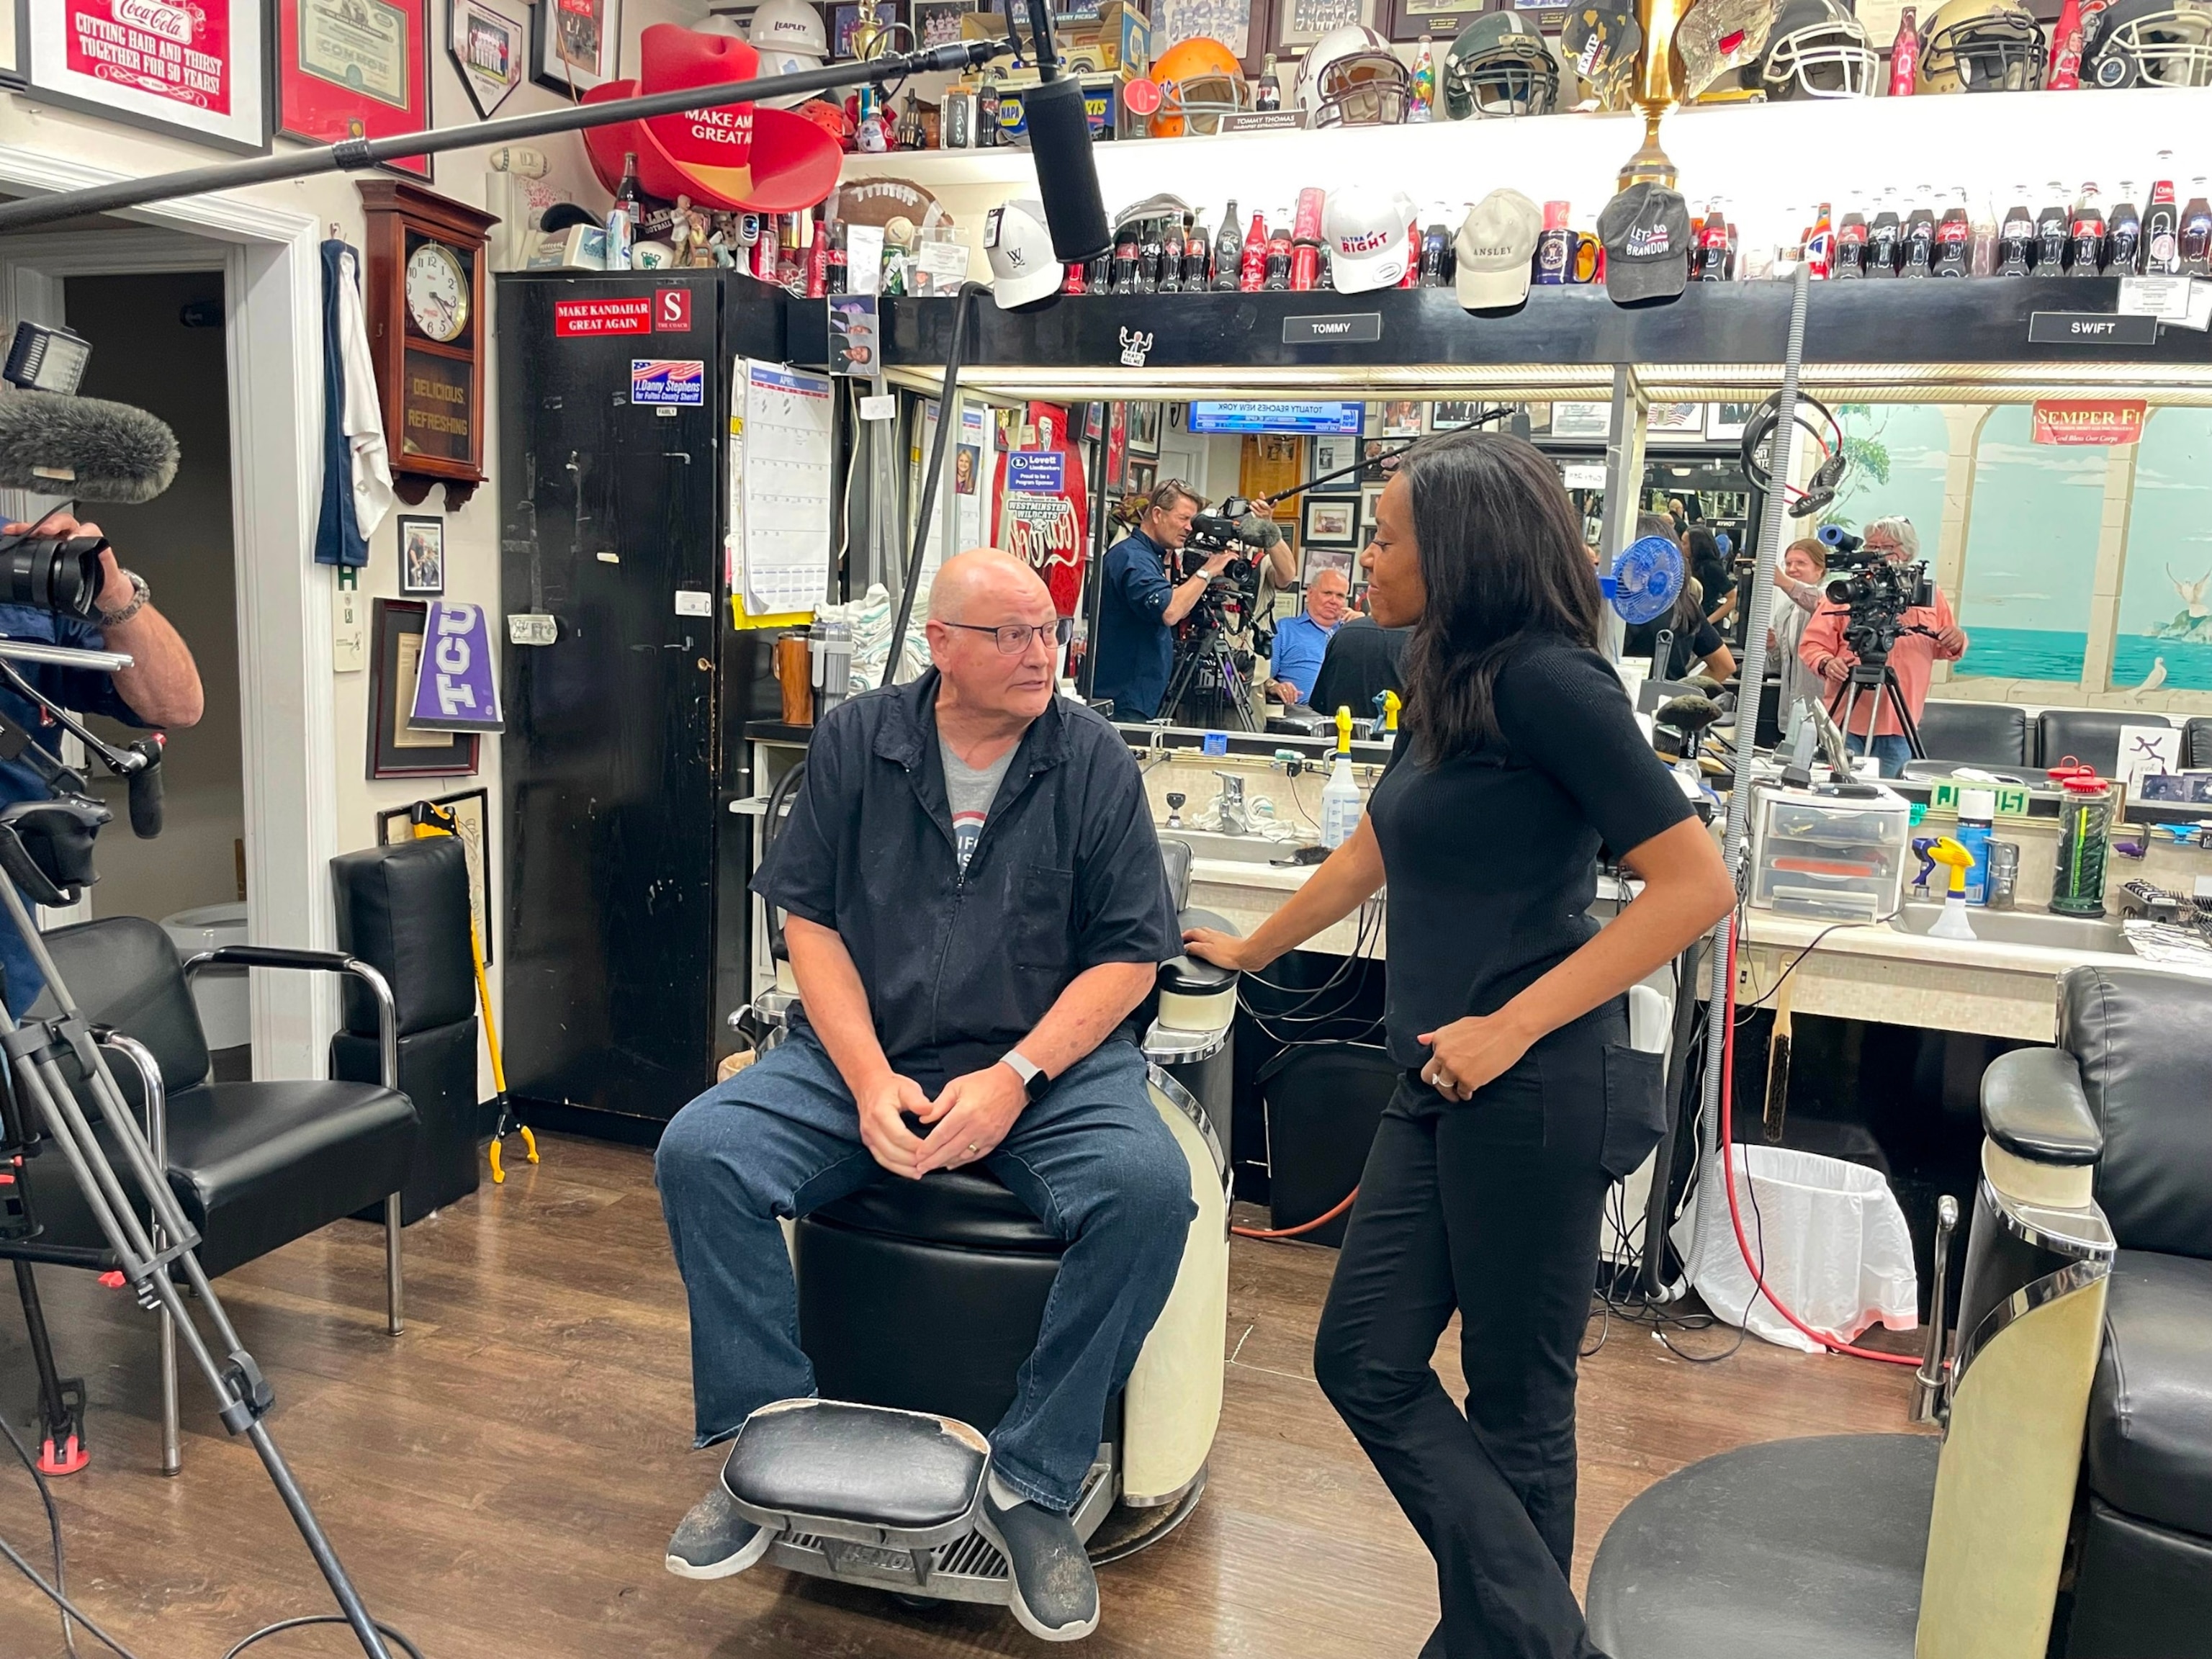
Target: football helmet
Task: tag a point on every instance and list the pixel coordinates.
(1980, 45)
(1500, 65)
(1817, 49)
(1351, 78)
(1200, 80)
(2149, 43)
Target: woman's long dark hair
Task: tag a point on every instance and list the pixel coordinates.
(1502, 560)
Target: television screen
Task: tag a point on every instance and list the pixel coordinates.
(1309, 420)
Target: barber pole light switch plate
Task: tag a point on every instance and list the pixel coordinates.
(348, 631)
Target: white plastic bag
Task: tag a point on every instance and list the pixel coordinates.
(1832, 1242)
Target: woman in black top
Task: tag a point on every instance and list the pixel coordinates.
(1522, 1102)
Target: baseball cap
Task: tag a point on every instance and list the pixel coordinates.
(1019, 246)
(1645, 231)
(1369, 233)
(1495, 246)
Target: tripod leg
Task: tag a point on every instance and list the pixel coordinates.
(173, 1447)
(1906, 723)
(61, 1425)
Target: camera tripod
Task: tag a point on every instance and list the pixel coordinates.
(1877, 680)
(37, 1095)
(1206, 667)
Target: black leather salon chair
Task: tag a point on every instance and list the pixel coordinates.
(2090, 736)
(1978, 734)
(2142, 1587)
(255, 1164)
(2196, 742)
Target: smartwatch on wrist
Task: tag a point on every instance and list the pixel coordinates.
(1034, 1081)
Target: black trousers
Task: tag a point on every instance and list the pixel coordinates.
(1490, 1208)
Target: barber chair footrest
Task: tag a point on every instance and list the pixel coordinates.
(865, 1475)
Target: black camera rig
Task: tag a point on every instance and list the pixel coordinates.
(1876, 591)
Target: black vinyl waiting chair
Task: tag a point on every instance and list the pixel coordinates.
(254, 1165)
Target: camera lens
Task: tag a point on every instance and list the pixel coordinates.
(52, 573)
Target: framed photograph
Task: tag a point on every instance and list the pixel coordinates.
(1726, 421)
(1328, 521)
(844, 22)
(1399, 417)
(1378, 460)
(1299, 23)
(395, 749)
(1144, 429)
(471, 812)
(1451, 414)
(488, 40)
(1367, 499)
(1676, 422)
(1144, 476)
(1330, 454)
(1582, 420)
(574, 44)
(936, 22)
(1117, 444)
(1342, 560)
(1229, 22)
(197, 71)
(354, 69)
(1440, 20)
(423, 556)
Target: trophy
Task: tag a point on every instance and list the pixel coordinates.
(1687, 48)
(1655, 88)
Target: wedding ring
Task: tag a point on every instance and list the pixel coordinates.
(972, 1148)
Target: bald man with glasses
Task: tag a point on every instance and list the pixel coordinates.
(974, 907)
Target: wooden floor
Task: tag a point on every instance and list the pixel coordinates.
(500, 1480)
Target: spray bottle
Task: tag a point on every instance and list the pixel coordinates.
(1340, 796)
(1953, 923)
(1388, 702)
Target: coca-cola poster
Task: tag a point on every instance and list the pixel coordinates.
(189, 67)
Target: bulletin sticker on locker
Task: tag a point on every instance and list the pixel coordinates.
(667, 380)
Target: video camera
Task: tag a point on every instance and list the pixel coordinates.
(60, 573)
(1219, 532)
(1875, 589)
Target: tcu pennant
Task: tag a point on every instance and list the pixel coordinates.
(1044, 516)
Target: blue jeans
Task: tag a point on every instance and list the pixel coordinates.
(1092, 1160)
(1890, 749)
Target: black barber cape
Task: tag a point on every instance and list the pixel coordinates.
(958, 969)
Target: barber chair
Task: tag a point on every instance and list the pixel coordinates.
(1872, 1546)
(2090, 736)
(1976, 734)
(918, 1302)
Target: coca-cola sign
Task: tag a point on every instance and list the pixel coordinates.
(192, 65)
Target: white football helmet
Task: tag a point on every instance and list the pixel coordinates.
(1350, 77)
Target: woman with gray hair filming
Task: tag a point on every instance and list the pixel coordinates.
(1927, 634)
(1522, 1102)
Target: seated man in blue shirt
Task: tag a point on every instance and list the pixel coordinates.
(974, 907)
(161, 688)
(1302, 641)
(1139, 607)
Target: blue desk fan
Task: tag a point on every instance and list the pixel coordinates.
(1647, 578)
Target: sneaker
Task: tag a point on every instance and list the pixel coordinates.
(714, 1541)
(1055, 1596)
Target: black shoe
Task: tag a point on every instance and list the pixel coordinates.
(714, 1541)
(1055, 1598)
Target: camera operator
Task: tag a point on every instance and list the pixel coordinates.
(161, 688)
(1302, 640)
(1925, 635)
(1138, 605)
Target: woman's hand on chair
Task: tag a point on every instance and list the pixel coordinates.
(1468, 1053)
(1222, 949)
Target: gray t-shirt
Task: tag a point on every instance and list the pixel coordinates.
(970, 794)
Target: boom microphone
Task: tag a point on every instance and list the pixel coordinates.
(86, 448)
(144, 786)
(1060, 141)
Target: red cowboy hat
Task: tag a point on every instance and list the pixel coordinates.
(739, 156)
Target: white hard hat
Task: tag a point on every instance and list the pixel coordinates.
(788, 26)
(1351, 77)
(1019, 243)
(1369, 233)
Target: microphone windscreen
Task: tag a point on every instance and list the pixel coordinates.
(1688, 713)
(86, 448)
(1066, 169)
(145, 795)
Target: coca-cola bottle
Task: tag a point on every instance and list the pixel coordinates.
(1851, 245)
(1073, 278)
(1883, 235)
(2087, 233)
(2064, 70)
(2197, 233)
(1710, 263)
(1171, 257)
(1125, 258)
(2016, 236)
(1268, 93)
(1194, 252)
(1982, 249)
(1435, 257)
(1277, 276)
(1953, 234)
(2162, 223)
(1252, 263)
(2123, 235)
(1904, 56)
(1228, 252)
(1920, 237)
(2054, 228)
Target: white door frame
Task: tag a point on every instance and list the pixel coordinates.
(272, 285)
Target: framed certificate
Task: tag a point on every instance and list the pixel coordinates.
(575, 45)
(1442, 21)
(354, 69)
(195, 71)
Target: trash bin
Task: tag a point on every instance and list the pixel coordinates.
(1831, 1241)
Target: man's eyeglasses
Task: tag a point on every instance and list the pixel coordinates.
(1014, 638)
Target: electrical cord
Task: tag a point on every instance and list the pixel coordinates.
(70, 1609)
(282, 1625)
(1303, 1227)
(54, 1529)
